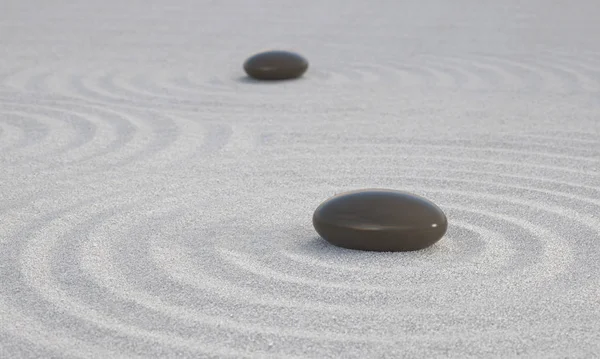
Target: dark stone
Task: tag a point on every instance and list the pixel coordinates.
(380, 220)
(275, 65)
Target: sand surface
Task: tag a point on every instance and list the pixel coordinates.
(154, 203)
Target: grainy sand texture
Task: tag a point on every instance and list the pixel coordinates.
(155, 203)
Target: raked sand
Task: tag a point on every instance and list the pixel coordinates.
(154, 203)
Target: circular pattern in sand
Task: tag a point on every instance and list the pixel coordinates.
(163, 209)
(167, 262)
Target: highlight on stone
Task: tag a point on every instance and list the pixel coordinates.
(276, 65)
(380, 220)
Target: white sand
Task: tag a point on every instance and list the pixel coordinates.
(155, 203)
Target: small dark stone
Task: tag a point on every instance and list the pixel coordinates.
(275, 65)
(380, 220)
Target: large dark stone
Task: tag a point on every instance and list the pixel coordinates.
(380, 220)
(275, 65)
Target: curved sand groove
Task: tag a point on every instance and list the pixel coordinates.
(94, 248)
(247, 300)
(481, 72)
(568, 135)
(335, 77)
(390, 72)
(462, 78)
(480, 75)
(116, 89)
(102, 90)
(165, 256)
(59, 132)
(558, 139)
(434, 76)
(491, 251)
(105, 138)
(120, 128)
(464, 160)
(495, 177)
(117, 284)
(185, 84)
(578, 216)
(151, 83)
(524, 144)
(100, 237)
(584, 217)
(96, 85)
(156, 203)
(58, 296)
(329, 77)
(234, 89)
(175, 86)
(188, 314)
(359, 73)
(131, 88)
(532, 78)
(29, 79)
(494, 72)
(574, 79)
(554, 255)
(55, 286)
(479, 142)
(99, 86)
(39, 340)
(18, 131)
(552, 143)
(386, 143)
(586, 72)
(39, 278)
(467, 157)
(123, 84)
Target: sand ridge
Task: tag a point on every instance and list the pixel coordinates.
(155, 203)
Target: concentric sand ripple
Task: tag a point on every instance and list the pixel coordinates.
(172, 273)
(159, 89)
(154, 89)
(198, 265)
(91, 138)
(156, 203)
